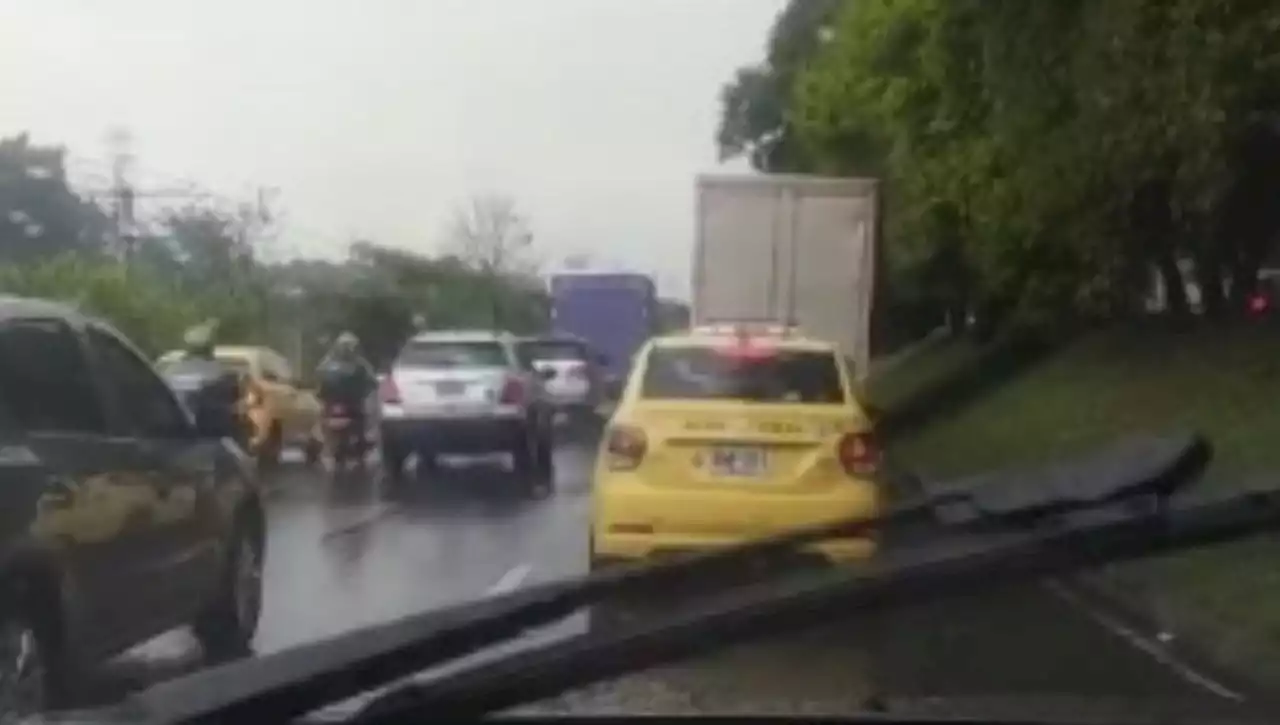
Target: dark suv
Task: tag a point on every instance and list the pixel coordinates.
(121, 516)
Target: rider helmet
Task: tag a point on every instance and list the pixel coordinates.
(199, 340)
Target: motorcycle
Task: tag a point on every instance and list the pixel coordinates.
(344, 435)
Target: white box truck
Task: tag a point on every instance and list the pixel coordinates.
(788, 248)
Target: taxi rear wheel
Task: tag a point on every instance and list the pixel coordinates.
(604, 615)
(269, 452)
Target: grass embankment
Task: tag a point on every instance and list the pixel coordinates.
(1224, 383)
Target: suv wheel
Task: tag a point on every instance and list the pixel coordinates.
(313, 451)
(545, 475)
(34, 672)
(524, 455)
(393, 460)
(226, 628)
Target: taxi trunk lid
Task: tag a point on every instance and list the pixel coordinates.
(767, 447)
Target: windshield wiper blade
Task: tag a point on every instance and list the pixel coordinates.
(292, 682)
(953, 566)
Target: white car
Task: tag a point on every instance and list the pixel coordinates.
(466, 393)
(573, 380)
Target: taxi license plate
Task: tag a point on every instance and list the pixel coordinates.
(738, 461)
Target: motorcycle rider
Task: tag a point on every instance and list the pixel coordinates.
(346, 378)
(222, 392)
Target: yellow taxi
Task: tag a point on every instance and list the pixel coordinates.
(730, 433)
(281, 410)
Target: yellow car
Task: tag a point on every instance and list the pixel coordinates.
(282, 412)
(725, 435)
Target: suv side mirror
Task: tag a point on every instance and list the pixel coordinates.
(545, 374)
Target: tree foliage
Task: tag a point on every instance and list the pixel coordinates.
(40, 215)
(1042, 159)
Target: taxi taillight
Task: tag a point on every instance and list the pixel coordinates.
(625, 447)
(253, 395)
(859, 454)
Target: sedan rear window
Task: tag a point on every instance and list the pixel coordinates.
(776, 376)
(447, 354)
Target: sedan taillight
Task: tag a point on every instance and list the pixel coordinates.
(512, 392)
(388, 391)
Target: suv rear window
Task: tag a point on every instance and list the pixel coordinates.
(706, 373)
(447, 354)
(552, 350)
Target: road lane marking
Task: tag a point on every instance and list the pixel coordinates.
(510, 581)
(1148, 646)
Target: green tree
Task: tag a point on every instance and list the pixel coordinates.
(755, 117)
(1056, 153)
(40, 215)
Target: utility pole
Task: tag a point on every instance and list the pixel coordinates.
(120, 143)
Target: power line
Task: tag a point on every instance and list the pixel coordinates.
(169, 186)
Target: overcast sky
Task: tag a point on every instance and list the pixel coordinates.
(376, 117)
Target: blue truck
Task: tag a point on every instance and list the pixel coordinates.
(613, 312)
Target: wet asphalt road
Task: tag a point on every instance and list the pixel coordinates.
(342, 554)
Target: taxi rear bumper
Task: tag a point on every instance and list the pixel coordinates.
(613, 548)
(634, 520)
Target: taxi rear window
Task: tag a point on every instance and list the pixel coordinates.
(709, 373)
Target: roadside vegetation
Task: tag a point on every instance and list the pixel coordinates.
(1222, 382)
(1082, 193)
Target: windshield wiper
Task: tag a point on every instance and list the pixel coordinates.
(1085, 537)
(292, 682)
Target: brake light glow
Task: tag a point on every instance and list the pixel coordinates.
(253, 396)
(625, 447)
(859, 454)
(388, 391)
(512, 392)
(748, 348)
